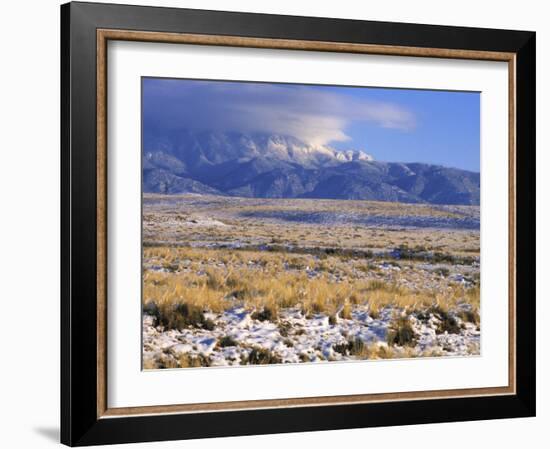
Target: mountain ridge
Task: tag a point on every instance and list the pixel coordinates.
(274, 166)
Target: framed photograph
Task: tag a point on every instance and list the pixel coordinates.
(282, 224)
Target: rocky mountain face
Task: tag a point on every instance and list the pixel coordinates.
(273, 166)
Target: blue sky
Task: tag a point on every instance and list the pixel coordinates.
(397, 125)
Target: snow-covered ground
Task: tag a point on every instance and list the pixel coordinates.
(296, 338)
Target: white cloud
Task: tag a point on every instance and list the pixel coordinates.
(309, 113)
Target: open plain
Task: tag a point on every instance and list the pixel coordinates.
(238, 281)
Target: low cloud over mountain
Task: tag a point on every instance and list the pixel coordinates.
(310, 114)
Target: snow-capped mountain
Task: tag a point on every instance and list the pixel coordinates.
(275, 166)
(196, 149)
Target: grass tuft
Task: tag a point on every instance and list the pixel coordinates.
(261, 356)
(266, 314)
(401, 333)
(226, 341)
(177, 316)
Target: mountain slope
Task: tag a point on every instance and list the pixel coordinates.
(269, 166)
(163, 181)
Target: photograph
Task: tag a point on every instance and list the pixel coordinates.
(273, 223)
(291, 223)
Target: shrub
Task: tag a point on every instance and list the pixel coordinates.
(385, 352)
(266, 314)
(226, 341)
(165, 362)
(341, 348)
(356, 347)
(284, 329)
(178, 316)
(192, 361)
(288, 343)
(448, 322)
(296, 263)
(261, 356)
(171, 266)
(401, 333)
(208, 324)
(469, 316)
(151, 308)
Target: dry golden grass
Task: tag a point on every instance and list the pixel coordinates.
(259, 281)
(462, 243)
